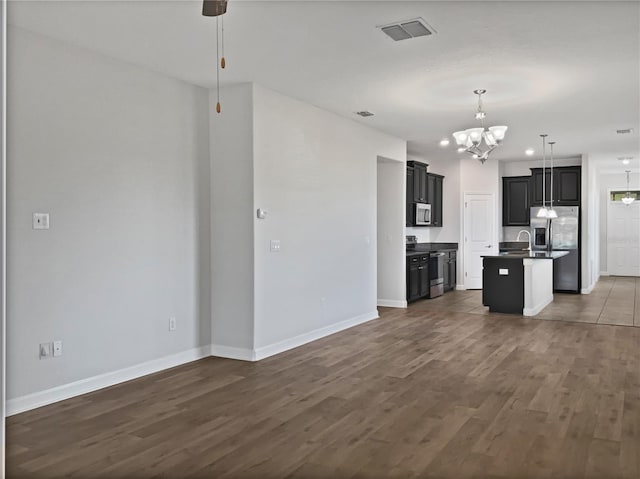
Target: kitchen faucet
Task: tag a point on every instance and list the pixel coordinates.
(525, 231)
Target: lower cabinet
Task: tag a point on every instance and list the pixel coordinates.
(450, 271)
(418, 277)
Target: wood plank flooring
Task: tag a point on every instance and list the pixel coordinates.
(422, 392)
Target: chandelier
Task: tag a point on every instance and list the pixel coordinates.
(479, 142)
(628, 199)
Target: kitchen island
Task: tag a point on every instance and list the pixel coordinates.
(518, 282)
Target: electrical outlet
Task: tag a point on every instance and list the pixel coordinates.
(46, 350)
(57, 348)
(172, 324)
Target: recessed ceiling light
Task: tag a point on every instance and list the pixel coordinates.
(625, 131)
(625, 159)
(444, 142)
(529, 151)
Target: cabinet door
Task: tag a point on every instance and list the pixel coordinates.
(446, 273)
(413, 282)
(567, 186)
(515, 200)
(420, 183)
(424, 279)
(453, 272)
(536, 194)
(410, 209)
(436, 206)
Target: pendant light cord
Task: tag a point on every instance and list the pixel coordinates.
(217, 64)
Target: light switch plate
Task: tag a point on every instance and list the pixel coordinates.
(41, 221)
(57, 348)
(275, 246)
(503, 272)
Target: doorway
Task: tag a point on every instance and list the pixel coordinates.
(479, 235)
(623, 238)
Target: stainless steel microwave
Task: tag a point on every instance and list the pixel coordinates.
(423, 214)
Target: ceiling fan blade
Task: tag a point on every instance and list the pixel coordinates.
(213, 8)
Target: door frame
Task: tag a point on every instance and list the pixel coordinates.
(463, 230)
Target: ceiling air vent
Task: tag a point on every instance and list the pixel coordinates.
(626, 131)
(364, 113)
(409, 29)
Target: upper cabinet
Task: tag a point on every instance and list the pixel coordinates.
(423, 187)
(434, 197)
(419, 182)
(566, 186)
(410, 200)
(516, 197)
(567, 189)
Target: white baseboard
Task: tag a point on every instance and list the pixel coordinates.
(604, 273)
(83, 386)
(305, 338)
(588, 289)
(242, 354)
(461, 287)
(538, 307)
(392, 303)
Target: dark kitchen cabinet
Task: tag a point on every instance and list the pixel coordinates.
(516, 200)
(566, 186)
(419, 182)
(423, 187)
(417, 276)
(434, 197)
(450, 272)
(410, 208)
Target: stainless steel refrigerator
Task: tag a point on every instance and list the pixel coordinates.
(560, 234)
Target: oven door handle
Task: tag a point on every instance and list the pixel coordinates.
(437, 254)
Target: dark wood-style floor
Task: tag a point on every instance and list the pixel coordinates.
(423, 392)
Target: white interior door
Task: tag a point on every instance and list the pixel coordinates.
(479, 235)
(623, 239)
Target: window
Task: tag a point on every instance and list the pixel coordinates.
(617, 195)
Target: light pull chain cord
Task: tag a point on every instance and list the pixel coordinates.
(223, 62)
(217, 65)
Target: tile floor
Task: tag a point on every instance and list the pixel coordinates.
(614, 300)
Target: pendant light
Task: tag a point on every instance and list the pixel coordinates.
(551, 213)
(542, 212)
(628, 199)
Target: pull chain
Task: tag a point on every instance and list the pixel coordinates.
(217, 67)
(223, 62)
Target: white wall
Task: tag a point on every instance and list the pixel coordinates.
(232, 227)
(315, 173)
(118, 156)
(606, 182)
(391, 202)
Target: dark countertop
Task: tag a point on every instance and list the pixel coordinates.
(422, 248)
(529, 255)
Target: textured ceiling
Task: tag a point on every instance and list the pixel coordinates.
(569, 69)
